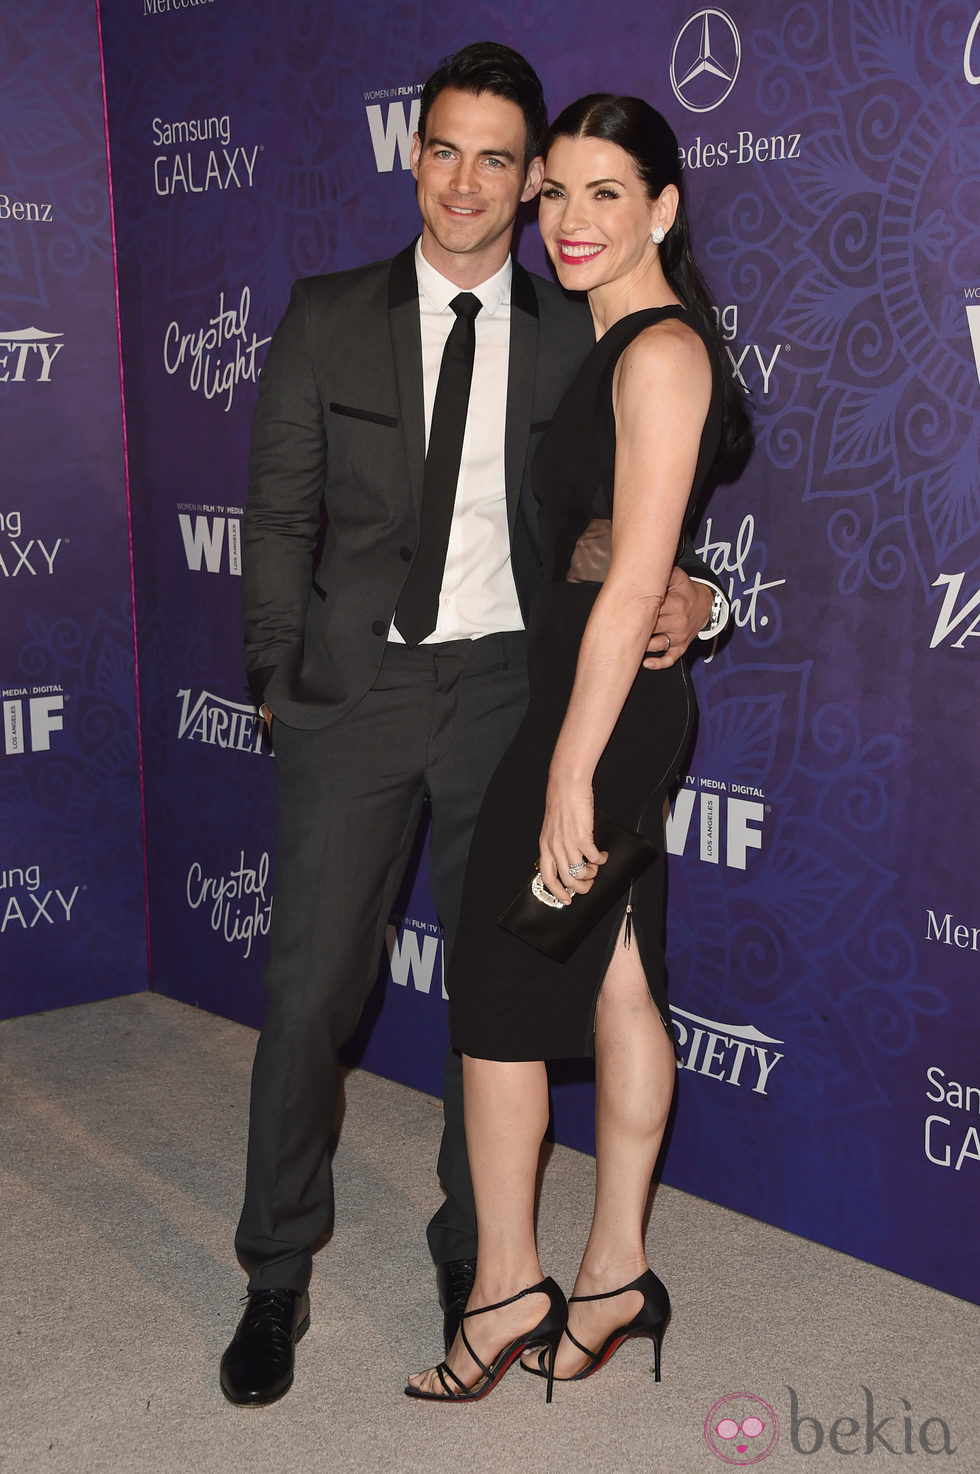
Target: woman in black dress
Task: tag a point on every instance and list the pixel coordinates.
(634, 441)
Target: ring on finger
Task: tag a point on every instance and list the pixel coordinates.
(573, 870)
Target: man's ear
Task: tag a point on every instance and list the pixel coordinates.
(535, 174)
(415, 155)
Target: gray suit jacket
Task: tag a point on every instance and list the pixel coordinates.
(339, 424)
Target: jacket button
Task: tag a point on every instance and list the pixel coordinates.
(405, 554)
(379, 627)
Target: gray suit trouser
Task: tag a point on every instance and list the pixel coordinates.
(436, 722)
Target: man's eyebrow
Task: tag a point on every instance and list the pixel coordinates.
(495, 153)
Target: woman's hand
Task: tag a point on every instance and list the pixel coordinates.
(567, 855)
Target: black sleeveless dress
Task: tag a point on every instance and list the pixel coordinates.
(507, 1000)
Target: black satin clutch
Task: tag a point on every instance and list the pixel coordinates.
(556, 929)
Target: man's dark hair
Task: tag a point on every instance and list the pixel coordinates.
(487, 66)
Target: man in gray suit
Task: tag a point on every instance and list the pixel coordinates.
(368, 720)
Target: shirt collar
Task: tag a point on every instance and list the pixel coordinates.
(438, 291)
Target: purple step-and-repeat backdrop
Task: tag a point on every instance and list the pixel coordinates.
(72, 896)
(824, 924)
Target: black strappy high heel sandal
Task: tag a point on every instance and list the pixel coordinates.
(546, 1334)
(650, 1320)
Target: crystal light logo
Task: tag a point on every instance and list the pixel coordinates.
(752, 602)
(236, 903)
(705, 60)
(949, 1142)
(741, 1429)
(393, 129)
(970, 72)
(212, 544)
(31, 714)
(21, 556)
(742, 822)
(219, 722)
(27, 355)
(733, 1053)
(219, 356)
(957, 613)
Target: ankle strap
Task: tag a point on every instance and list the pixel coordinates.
(539, 1289)
(611, 1294)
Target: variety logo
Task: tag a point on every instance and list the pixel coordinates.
(236, 903)
(220, 723)
(211, 542)
(192, 171)
(26, 907)
(951, 618)
(705, 60)
(971, 72)
(950, 1143)
(27, 355)
(392, 130)
(415, 952)
(28, 210)
(19, 556)
(219, 356)
(31, 714)
(731, 809)
(734, 1053)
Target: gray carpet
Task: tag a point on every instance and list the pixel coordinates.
(120, 1178)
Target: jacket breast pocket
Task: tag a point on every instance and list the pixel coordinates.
(373, 417)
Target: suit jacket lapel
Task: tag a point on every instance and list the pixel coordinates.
(406, 345)
(520, 384)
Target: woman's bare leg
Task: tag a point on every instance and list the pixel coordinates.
(634, 1086)
(506, 1112)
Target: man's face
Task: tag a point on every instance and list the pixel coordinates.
(470, 180)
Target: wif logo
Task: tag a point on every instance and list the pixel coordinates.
(973, 323)
(728, 824)
(212, 544)
(392, 130)
(30, 717)
(27, 355)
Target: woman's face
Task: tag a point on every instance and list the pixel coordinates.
(596, 216)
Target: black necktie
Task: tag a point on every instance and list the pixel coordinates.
(418, 606)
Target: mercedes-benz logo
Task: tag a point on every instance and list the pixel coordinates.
(705, 60)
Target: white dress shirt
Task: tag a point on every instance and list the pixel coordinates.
(478, 596)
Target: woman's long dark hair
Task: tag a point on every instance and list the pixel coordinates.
(649, 140)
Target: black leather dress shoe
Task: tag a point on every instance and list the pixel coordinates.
(455, 1281)
(258, 1365)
